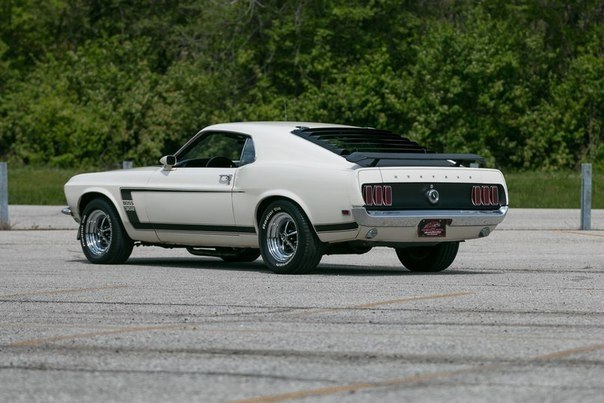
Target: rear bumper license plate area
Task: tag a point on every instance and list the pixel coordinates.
(432, 228)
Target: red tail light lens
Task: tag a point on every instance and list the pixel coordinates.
(485, 195)
(377, 195)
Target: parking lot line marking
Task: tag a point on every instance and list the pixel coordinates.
(355, 387)
(46, 340)
(64, 291)
(413, 379)
(586, 233)
(416, 298)
(569, 352)
(313, 311)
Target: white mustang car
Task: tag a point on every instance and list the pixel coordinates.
(291, 192)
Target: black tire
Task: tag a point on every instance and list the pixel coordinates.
(102, 235)
(242, 255)
(428, 258)
(288, 243)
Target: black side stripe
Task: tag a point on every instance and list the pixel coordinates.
(158, 190)
(135, 222)
(337, 227)
(203, 228)
(131, 210)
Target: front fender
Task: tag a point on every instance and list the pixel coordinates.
(91, 193)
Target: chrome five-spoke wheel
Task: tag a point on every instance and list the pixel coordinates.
(288, 242)
(282, 237)
(102, 235)
(97, 232)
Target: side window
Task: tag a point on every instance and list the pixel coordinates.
(248, 155)
(216, 150)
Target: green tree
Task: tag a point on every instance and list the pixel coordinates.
(88, 82)
(86, 108)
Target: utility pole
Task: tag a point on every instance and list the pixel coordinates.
(4, 223)
(586, 197)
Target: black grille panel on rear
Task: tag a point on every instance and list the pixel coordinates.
(452, 196)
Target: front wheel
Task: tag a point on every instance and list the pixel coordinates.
(102, 235)
(428, 258)
(288, 243)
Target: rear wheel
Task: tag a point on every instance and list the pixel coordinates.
(288, 243)
(428, 258)
(102, 235)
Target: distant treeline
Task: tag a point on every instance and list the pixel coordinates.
(91, 83)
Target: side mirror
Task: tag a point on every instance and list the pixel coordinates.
(168, 161)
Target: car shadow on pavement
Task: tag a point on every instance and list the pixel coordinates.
(189, 263)
(360, 270)
(258, 266)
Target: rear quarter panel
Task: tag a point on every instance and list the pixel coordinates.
(322, 191)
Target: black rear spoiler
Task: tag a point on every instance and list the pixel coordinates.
(413, 159)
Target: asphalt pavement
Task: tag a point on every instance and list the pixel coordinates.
(518, 317)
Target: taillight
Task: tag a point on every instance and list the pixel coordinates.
(485, 195)
(377, 195)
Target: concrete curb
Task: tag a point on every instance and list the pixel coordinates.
(25, 217)
(549, 219)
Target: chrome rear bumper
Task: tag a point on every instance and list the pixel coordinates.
(403, 218)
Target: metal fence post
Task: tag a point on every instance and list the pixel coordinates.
(585, 196)
(4, 223)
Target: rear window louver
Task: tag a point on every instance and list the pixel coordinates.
(344, 141)
(372, 147)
